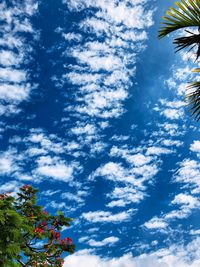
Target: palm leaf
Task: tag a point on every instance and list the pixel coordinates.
(193, 98)
(187, 15)
(188, 41)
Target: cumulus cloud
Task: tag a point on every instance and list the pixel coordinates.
(53, 167)
(175, 256)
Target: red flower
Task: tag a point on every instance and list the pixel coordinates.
(60, 260)
(57, 236)
(26, 187)
(69, 240)
(3, 196)
(43, 224)
(45, 212)
(66, 241)
(39, 230)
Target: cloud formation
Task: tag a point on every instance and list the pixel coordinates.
(187, 256)
(15, 85)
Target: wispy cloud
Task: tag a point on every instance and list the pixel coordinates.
(15, 85)
(104, 47)
(106, 216)
(108, 241)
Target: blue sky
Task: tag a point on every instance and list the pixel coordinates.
(93, 114)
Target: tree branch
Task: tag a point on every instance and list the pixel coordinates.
(21, 263)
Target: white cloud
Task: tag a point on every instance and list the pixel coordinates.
(58, 171)
(172, 110)
(131, 16)
(12, 75)
(88, 129)
(195, 147)
(173, 114)
(156, 223)
(124, 261)
(117, 203)
(116, 172)
(125, 195)
(184, 199)
(45, 156)
(168, 142)
(171, 83)
(78, 197)
(195, 232)
(132, 158)
(9, 187)
(57, 205)
(55, 168)
(158, 150)
(113, 171)
(15, 93)
(105, 242)
(133, 176)
(175, 256)
(186, 204)
(83, 239)
(189, 175)
(8, 58)
(182, 74)
(181, 89)
(15, 54)
(8, 164)
(106, 216)
(106, 58)
(5, 165)
(72, 37)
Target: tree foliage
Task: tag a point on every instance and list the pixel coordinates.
(29, 235)
(186, 16)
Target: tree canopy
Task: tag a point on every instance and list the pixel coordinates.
(29, 235)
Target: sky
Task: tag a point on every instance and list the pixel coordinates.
(93, 115)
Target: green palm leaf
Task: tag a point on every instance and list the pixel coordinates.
(187, 15)
(190, 41)
(193, 98)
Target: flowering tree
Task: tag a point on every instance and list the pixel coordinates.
(29, 236)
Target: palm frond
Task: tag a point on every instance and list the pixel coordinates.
(196, 70)
(187, 15)
(193, 99)
(188, 42)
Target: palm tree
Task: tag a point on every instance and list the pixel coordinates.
(187, 15)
